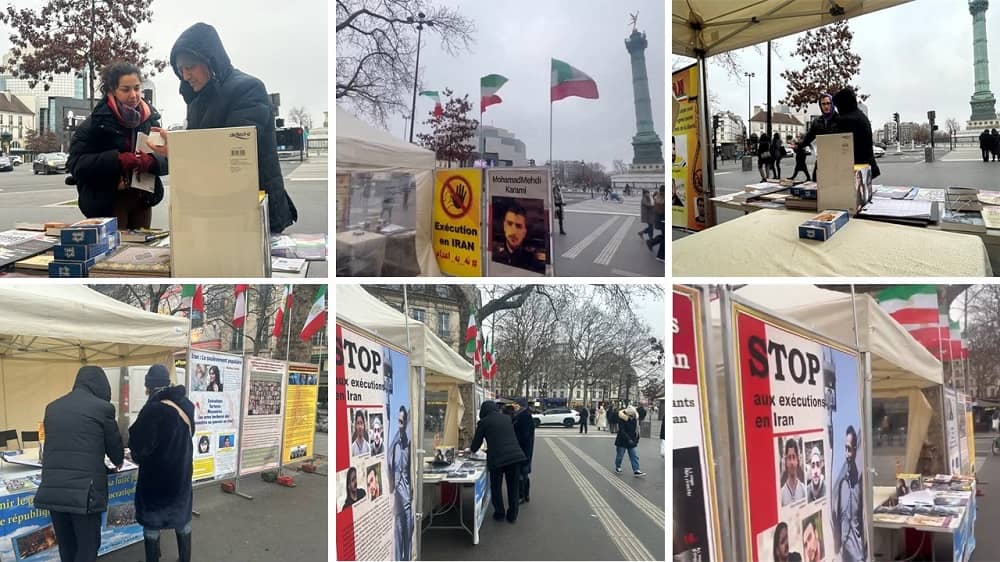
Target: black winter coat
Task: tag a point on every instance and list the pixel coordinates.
(819, 126)
(498, 431)
(584, 415)
(985, 141)
(235, 99)
(852, 120)
(93, 160)
(80, 428)
(524, 429)
(628, 431)
(162, 447)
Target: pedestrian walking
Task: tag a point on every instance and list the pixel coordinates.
(986, 144)
(524, 429)
(160, 441)
(995, 144)
(646, 214)
(219, 95)
(800, 162)
(660, 216)
(627, 440)
(663, 440)
(503, 458)
(777, 153)
(602, 418)
(763, 157)
(642, 412)
(80, 429)
(557, 199)
(104, 154)
(584, 418)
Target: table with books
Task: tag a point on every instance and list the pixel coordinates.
(937, 518)
(450, 475)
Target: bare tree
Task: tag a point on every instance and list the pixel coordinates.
(300, 117)
(376, 50)
(620, 166)
(297, 350)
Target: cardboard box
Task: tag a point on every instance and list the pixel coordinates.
(81, 252)
(72, 268)
(88, 231)
(835, 172)
(824, 225)
(216, 224)
(805, 192)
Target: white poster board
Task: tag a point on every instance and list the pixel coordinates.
(951, 415)
(263, 414)
(518, 236)
(215, 382)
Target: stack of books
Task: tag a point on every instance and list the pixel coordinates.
(83, 244)
(135, 261)
(962, 199)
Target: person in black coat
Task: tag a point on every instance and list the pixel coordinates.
(995, 144)
(986, 144)
(627, 440)
(524, 429)
(80, 429)
(825, 124)
(104, 152)
(218, 95)
(160, 440)
(777, 153)
(584, 418)
(503, 457)
(763, 157)
(852, 120)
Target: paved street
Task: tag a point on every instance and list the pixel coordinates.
(988, 506)
(601, 239)
(579, 510)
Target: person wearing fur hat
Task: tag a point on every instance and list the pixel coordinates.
(80, 429)
(160, 440)
(627, 440)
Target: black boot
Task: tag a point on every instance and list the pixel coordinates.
(152, 549)
(184, 547)
(527, 489)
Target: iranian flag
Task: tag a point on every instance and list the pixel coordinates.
(915, 308)
(193, 297)
(493, 360)
(487, 359)
(317, 315)
(957, 348)
(568, 81)
(471, 333)
(438, 110)
(240, 314)
(279, 317)
(488, 87)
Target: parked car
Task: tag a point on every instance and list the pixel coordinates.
(790, 151)
(5, 164)
(16, 160)
(557, 416)
(50, 163)
(879, 151)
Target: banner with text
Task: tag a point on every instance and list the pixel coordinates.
(951, 414)
(519, 241)
(961, 417)
(457, 222)
(301, 396)
(696, 519)
(263, 401)
(800, 424)
(215, 383)
(690, 205)
(373, 491)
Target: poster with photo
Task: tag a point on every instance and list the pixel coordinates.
(690, 206)
(519, 239)
(263, 405)
(374, 450)
(696, 524)
(951, 431)
(800, 420)
(301, 396)
(968, 461)
(215, 381)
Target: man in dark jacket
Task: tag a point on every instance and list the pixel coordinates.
(160, 440)
(986, 144)
(627, 440)
(503, 457)
(995, 144)
(218, 95)
(524, 429)
(80, 429)
(584, 418)
(852, 120)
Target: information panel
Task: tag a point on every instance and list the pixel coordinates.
(263, 404)
(215, 381)
(301, 396)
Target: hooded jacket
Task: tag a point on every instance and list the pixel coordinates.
(852, 120)
(498, 431)
(524, 429)
(628, 428)
(93, 160)
(161, 445)
(233, 99)
(826, 124)
(80, 429)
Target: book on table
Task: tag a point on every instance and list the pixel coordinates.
(962, 199)
(991, 216)
(962, 222)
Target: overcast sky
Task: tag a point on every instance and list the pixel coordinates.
(914, 57)
(518, 38)
(284, 44)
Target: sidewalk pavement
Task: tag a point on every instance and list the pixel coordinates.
(988, 505)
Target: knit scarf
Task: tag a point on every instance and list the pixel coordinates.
(128, 116)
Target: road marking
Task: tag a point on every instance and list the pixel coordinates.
(603, 213)
(580, 246)
(624, 273)
(724, 173)
(644, 505)
(69, 203)
(623, 538)
(604, 258)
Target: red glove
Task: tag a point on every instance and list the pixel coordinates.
(146, 162)
(127, 161)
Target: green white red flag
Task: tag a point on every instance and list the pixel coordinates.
(240, 314)
(279, 317)
(487, 359)
(488, 87)
(915, 308)
(568, 81)
(471, 333)
(317, 315)
(195, 300)
(434, 95)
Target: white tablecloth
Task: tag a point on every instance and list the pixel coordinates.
(767, 243)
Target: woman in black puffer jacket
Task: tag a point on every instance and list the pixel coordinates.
(104, 152)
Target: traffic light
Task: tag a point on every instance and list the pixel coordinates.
(715, 122)
(934, 127)
(895, 117)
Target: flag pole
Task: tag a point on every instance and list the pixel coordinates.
(288, 339)
(550, 134)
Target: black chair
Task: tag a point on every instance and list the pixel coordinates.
(29, 436)
(8, 436)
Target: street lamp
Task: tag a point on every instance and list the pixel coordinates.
(419, 22)
(749, 75)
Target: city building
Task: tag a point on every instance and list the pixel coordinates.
(437, 306)
(568, 172)
(502, 148)
(784, 123)
(889, 131)
(906, 131)
(16, 119)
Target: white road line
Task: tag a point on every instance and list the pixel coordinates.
(644, 505)
(623, 538)
(624, 273)
(580, 246)
(603, 213)
(604, 258)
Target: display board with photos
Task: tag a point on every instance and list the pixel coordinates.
(215, 385)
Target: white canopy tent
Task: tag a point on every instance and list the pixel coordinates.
(363, 148)
(900, 366)
(47, 333)
(444, 368)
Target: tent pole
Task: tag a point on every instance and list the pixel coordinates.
(866, 421)
(735, 448)
(708, 170)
